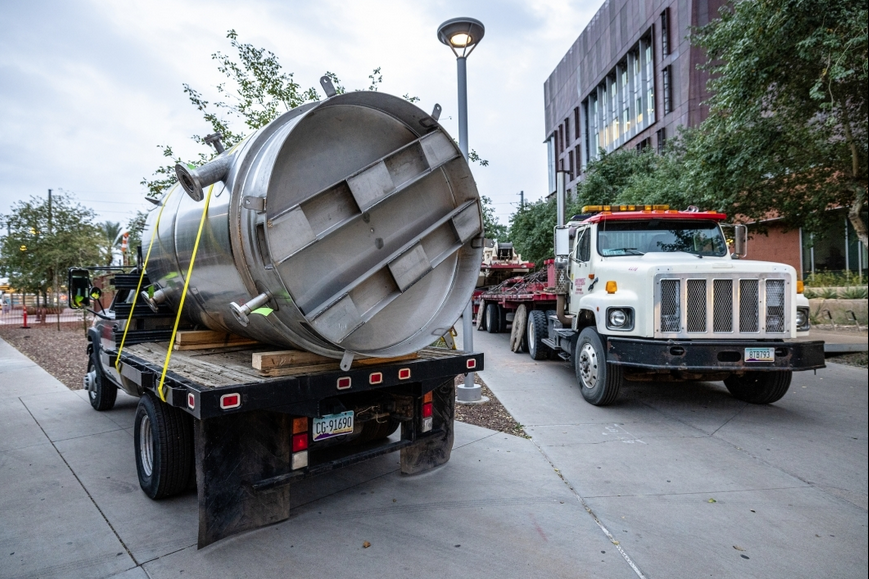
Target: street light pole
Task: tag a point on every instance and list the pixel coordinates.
(462, 35)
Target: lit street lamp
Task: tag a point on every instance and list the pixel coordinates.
(462, 35)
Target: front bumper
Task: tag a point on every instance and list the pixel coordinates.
(711, 356)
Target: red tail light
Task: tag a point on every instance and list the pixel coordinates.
(404, 374)
(344, 383)
(426, 410)
(300, 442)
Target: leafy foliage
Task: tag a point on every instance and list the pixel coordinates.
(42, 244)
(491, 226)
(531, 230)
(787, 131)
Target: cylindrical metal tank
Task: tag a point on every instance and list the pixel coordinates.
(355, 220)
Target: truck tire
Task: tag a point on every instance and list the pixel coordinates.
(760, 387)
(517, 332)
(599, 381)
(493, 318)
(101, 392)
(163, 438)
(537, 330)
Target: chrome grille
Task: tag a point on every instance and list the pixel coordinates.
(670, 314)
(748, 307)
(775, 305)
(696, 310)
(722, 305)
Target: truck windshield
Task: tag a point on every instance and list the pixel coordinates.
(694, 236)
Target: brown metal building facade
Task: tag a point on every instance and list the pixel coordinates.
(629, 80)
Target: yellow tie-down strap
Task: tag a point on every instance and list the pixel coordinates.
(141, 277)
(160, 391)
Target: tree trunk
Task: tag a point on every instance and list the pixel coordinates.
(860, 198)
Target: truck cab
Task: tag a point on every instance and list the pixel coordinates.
(646, 293)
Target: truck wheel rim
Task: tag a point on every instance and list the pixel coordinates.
(90, 384)
(146, 445)
(588, 366)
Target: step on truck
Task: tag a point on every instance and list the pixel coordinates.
(650, 294)
(279, 321)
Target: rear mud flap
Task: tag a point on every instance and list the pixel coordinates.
(436, 450)
(232, 452)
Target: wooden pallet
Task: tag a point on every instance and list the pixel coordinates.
(205, 339)
(288, 362)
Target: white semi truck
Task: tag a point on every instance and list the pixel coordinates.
(646, 293)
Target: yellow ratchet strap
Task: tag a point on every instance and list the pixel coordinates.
(141, 277)
(184, 294)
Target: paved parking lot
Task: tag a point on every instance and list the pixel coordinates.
(669, 482)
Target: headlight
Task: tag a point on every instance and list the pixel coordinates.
(620, 319)
(803, 323)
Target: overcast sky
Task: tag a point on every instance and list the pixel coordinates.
(88, 89)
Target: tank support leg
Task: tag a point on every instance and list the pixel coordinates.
(231, 453)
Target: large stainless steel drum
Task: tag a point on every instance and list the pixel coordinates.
(356, 220)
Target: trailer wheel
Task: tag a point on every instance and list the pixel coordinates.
(760, 387)
(517, 333)
(481, 316)
(163, 438)
(598, 380)
(101, 392)
(537, 330)
(493, 318)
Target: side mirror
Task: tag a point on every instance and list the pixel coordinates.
(562, 241)
(78, 288)
(740, 241)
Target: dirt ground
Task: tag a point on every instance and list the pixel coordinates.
(62, 354)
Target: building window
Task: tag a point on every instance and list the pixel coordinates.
(566, 132)
(578, 157)
(576, 122)
(570, 157)
(661, 136)
(665, 32)
(666, 90)
(550, 153)
(644, 144)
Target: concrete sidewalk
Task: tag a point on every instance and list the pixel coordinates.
(71, 507)
(840, 341)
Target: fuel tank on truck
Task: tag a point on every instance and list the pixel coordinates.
(350, 226)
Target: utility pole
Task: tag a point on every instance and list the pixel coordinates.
(521, 200)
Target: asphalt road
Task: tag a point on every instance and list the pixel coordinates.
(693, 483)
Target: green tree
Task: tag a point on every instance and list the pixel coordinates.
(531, 230)
(493, 228)
(44, 241)
(787, 131)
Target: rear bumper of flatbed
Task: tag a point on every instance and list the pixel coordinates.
(244, 455)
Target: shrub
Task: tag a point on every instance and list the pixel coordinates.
(854, 293)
